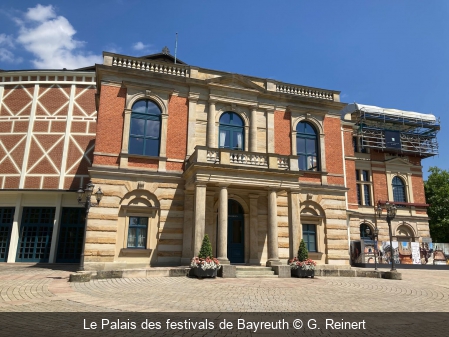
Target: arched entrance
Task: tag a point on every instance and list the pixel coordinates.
(236, 239)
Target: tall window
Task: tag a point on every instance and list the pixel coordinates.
(398, 190)
(363, 187)
(309, 237)
(307, 146)
(137, 232)
(145, 129)
(231, 131)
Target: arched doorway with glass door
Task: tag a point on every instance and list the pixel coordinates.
(236, 239)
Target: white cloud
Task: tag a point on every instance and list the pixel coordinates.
(140, 46)
(50, 39)
(41, 13)
(6, 44)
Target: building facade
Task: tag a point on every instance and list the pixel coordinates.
(182, 151)
(47, 134)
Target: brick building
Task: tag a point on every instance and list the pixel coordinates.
(182, 151)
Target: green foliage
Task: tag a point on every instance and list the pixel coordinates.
(437, 195)
(206, 248)
(303, 254)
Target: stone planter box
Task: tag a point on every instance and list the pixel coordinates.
(200, 273)
(303, 273)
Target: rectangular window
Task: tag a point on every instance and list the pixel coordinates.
(357, 175)
(137, 232)
(354, 144)
(365, 175)
(309, 237)
(366, 194)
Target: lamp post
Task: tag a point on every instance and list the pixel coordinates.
(375, 237)
(391, 213)
(87, 194)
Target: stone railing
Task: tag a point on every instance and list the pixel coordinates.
(248, 159)
(304, 91)
(207, 155)
(163, 68)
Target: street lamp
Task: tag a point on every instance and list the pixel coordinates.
(375, 237)
(87, 194)
(391, 213)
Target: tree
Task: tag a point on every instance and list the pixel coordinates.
(437, 195)
(206, 248)
(303, 254)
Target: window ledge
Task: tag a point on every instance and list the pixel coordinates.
(315, 255)
(135, 252)
(130, 155)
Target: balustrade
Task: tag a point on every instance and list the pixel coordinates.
(170, 69)
(304, 91)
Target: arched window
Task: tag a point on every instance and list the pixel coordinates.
(398, 190)
(231, 131)
(145, 129)
(365, 232)
(307, 146)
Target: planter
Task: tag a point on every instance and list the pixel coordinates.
(200, 273)
(303, 273)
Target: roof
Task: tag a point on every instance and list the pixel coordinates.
(354, 107)
(163, 57)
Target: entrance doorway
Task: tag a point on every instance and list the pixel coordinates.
(236, 240)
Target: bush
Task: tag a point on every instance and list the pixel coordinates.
(206, 248)
(303, 254)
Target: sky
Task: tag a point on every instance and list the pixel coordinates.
(393, 54)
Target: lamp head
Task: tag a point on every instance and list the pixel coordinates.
(99, 194)
(89, 190)
(80, 194)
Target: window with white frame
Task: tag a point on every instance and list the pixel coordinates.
(145, 129)
(137, 232)
(307, 147)
(231, 133)
(363, 186)
(398, 186)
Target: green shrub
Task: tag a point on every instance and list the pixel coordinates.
(206, 248)
(303, 254)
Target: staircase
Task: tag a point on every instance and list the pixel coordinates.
(254, 272)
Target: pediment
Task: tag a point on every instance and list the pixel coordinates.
(398, 161)
(235, 81)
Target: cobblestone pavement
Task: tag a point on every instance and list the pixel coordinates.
(25, 288)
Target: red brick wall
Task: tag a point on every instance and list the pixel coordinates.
(16, 100)
(350, 164)
(334, 153)
(177, 128)
(52, 100)
(380, 189)
(376, 155)
(282, 133)
(310, 178)
(110, 121)
(144, 163)
(418, 189)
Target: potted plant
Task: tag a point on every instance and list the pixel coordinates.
(302, 266)
(204, 265)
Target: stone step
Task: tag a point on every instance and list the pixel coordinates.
(256, 276)
(252, 268)
(255, 272)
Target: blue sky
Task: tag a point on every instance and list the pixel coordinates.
(393, 54)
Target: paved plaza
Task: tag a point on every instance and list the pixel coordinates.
(27, 288)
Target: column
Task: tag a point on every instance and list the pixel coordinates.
(14, 240)
(253, 229)
(222, 235)
(211, 125)
(253, 130)
(56, 228)
(200, 216)
(294, 222)
(273, 254)
(187, 236)
(270, 131)
(191, 140)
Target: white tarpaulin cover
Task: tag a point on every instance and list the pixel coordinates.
(353, 107)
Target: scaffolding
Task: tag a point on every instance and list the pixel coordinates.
(395, 131)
